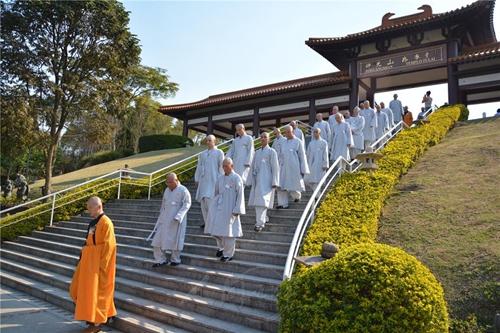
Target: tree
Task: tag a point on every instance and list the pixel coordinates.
(61, 58)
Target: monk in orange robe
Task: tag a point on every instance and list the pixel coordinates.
(93, 285)
(407, 117)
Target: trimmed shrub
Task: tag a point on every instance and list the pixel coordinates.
(364, 288)
(163, 141)
(349, 214)
(103, 157)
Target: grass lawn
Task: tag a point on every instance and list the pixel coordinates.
(446, 212)
(146, 162)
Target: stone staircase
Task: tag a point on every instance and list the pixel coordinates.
(201, 295)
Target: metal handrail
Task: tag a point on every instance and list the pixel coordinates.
(118, 175)
(340, 166)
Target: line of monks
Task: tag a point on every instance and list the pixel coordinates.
(285, 169)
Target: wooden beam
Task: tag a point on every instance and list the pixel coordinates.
(452, 72)
(353, 98)
(312, 111)
(256, 123)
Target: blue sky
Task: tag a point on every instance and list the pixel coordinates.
(214, 47)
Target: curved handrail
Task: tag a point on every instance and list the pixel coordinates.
(340, 166)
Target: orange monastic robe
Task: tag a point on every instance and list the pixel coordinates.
(93, 285)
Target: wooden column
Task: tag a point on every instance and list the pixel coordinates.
(185, 127)
(256, 123)
(453, 92)
(210, 125)
(312, 111)
(278, 123)
(370, 94)
(353, 98)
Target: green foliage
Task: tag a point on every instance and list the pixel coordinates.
(365, 288)
(165, 141)
(349, 214)
(464, 112)
(103, 157)
(469, 325)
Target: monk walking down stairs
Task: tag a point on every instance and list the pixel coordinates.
(93, 285)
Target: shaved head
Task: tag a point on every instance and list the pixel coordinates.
(172, 181)
(95, 201)
(94, 207)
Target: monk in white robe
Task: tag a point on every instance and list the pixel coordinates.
(241, 152)
(317, 158)
(209, 168)
(342, 140)
(278, 140)
(264, 178)
(332, 123)
(294, 168)
(382, 123)
(357, 123)
(297, 131)
(388, 112)
(397, 109)
(170, 228)
(225, 210)
(370, 124)
(323, 126)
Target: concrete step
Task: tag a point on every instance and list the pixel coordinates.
(199, 249)
(155, 206)
(125, 321)
(264, 236)
(235, 296)
(245, 224)
(285, 216)
(228, 279)
(235, 266)
(160, 312)
(79, 230)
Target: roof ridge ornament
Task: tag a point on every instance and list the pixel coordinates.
(388, 22)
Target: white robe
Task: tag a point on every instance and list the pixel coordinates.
(294, 165)
(229, 199)
(382, 124)
(342, 138)
(317, 158)
(277, 143)
(298, 134)
(357, 124)
(241, 152)
(209, 168)
(325, 130)
(390, 116)
(264, 174)
(397, 110)
(174, 206)
(370, 124)
(332, 122)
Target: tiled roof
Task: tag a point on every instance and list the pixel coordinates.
(381, 30)
(266, 90)
(478, 53)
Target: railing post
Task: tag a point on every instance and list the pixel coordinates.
(53, 208)
(149, 189)
(119, 185)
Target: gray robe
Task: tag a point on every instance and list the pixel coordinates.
(325, 130)
(390, 116)
(370, 124)
(209, 168)
(357, 124)
(264, 174)
(342, 138)
(294, 165)
(229, 199)
(382, 124)
(397, 110)
(317, 158)
(241, 152)
(174, 206)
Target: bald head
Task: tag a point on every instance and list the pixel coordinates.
(210, 141)
(316, 132)
(227, 165)
(334, 110)
(339, 117)
(172, 181)
(289, 132)
(94, 207)
(264, 139)
(319, 116)
(240, 129)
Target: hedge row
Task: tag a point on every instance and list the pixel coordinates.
(367, 287)
(349, 214)
(163, 141)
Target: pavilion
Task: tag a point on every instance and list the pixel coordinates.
(458, 47)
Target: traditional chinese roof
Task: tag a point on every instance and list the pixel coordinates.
(260, 91)
(476, 18)
(482, 52)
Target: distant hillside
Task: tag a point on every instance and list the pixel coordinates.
(446, 212)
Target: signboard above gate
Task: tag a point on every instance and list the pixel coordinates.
(402, 62)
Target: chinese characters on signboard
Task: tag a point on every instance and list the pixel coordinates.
(402, 62)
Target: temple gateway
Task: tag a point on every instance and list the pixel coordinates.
(458, 47)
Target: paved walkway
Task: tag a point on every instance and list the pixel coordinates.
(22, 313)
